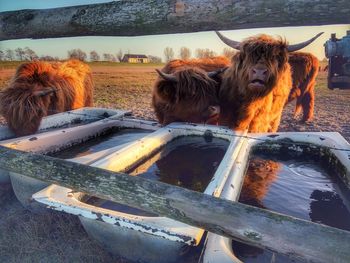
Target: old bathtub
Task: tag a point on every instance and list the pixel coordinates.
(138, 235)
(55, 140)
(333, 150)
(62, 120)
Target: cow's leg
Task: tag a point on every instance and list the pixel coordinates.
(308, 102)
(298, 107)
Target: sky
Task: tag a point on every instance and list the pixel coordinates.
(155, 44)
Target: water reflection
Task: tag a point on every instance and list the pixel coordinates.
(301, 187)
(189, 162)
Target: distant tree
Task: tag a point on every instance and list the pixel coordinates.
(120, 55)
(94, 56)
(228, 52)
(77, 54)
(9, 55)
(154, 59)
(20, 54)
(47, 58)
(109, 57)
(106, 57)
(185, 53)
(30, 54)
(2, 55)
(205, 53)
(168, 53)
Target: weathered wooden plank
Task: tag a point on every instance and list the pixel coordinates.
(148, 17)
(280, 233)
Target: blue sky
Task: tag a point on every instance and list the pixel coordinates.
(155, 44)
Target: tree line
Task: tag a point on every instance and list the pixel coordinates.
(185, 53)
(27, 54)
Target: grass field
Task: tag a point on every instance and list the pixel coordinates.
(57, 237)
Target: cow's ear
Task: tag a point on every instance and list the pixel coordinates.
(44, 91)
(167, 91)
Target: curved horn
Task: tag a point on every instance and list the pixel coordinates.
(229, 42)
(301, 45)
(213, 74)
(169, 77)
(42, 93)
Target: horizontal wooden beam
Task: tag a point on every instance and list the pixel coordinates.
(149, 17)
(262, 228)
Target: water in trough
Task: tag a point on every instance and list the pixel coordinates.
(303, 187)
(110, 138)
(188, 162)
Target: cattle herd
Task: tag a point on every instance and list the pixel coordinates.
(247, 93)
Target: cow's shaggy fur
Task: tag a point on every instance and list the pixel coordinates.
(207, 64)
(193, 97)
(40, 88)
(305, 67)
(246, 103)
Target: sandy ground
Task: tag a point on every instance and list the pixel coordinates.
(57, 237)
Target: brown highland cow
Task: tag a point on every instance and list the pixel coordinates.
(187, 91)
(256, 87)
(305, 67)
(40, 88)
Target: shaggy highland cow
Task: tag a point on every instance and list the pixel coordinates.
(255, 88)
(187, 91)
(40, 88)
(305, 67)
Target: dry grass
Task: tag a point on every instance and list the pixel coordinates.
(57, 237)
(51, 237)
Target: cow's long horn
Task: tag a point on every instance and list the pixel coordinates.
(42, 93)
(232, 43)
(169, 77)
(296, 47)
(213, 74)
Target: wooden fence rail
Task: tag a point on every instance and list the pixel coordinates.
(149, 17)
(262, 228)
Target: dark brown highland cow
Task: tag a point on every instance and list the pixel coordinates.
(305, 67)
(255, 88)
(40, 88)
(187, 91)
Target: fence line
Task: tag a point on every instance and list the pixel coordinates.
(149, 17)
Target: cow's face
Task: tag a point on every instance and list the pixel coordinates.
(260, 63)
(190, 95)
(25, 107)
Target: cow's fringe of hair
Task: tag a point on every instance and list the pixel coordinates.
(193, 85)
(23, 110)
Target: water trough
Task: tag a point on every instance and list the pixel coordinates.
(330, 150)
(62, 120)
(52, 141)
(135, 234)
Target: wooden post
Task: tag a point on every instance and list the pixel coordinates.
(294, 237)
(148, 17)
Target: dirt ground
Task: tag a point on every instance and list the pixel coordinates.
(57, 237)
